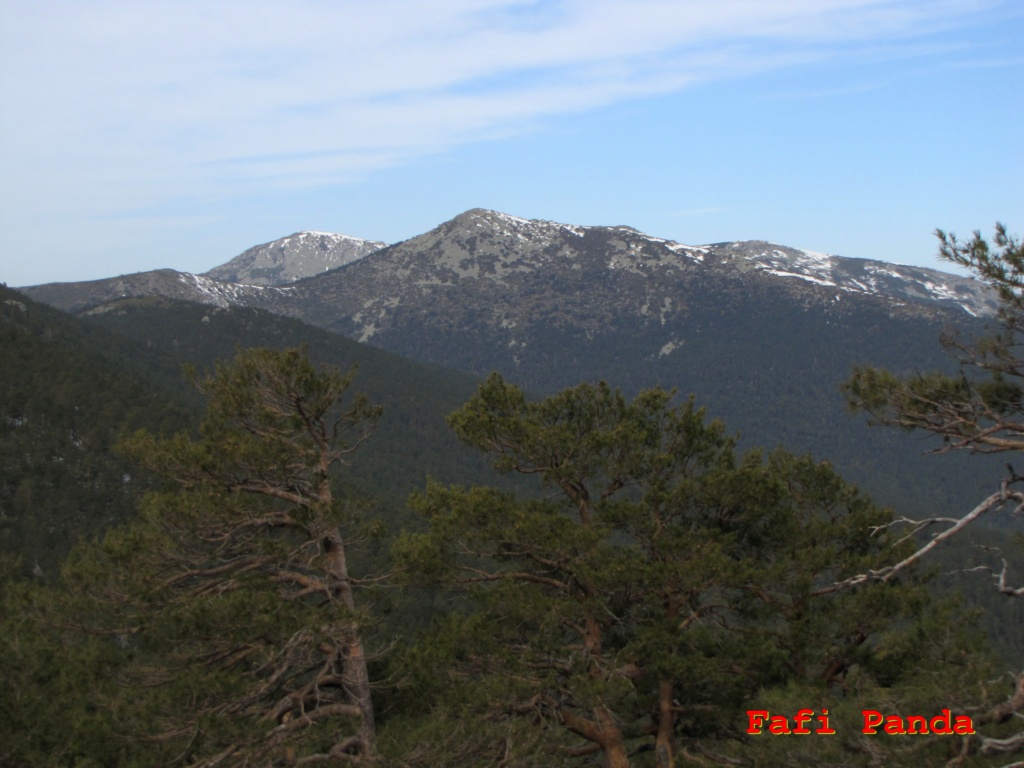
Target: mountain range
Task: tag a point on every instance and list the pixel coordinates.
(491, 246)
(763, 334)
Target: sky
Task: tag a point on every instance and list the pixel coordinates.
(142, 135)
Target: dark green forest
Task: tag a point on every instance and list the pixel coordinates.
(302, 550)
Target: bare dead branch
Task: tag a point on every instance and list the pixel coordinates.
(1005, 746)
(990, 504)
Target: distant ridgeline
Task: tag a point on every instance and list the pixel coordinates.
(762, 334)
(646, 589)
(71, 386)
(74, 384)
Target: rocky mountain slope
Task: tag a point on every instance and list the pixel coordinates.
(485, 250)
(292, 258)
(254, 278)
(762, 334)
(512, 272)
(93, 295)
(898, 283)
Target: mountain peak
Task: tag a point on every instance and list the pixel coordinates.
(297, 256)
(485, 244)
(505, 223)
(490, 251)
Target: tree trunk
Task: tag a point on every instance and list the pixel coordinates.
(615, 755)
(356, 675)
(664, 744)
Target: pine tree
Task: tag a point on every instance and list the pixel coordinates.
(979, 410)
(658, 582)
(234, 594)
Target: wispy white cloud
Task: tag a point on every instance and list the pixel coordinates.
(115, 105)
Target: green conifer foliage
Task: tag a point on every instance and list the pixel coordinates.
(657, 583)
(980, 409)
(234, 593)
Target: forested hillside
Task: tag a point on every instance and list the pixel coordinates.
(73, 386)
(411, 441)
(762, 334)
(624, 591)
(660, 587)
(68, 391)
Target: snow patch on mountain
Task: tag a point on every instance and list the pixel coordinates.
(292, 258)
(217, 293)
(808, 278)
(482, 252)
(527, 230)
(895, 282)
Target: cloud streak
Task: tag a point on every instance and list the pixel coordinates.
(121, 106)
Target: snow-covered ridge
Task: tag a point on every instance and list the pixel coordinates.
(312, 233)
(318, 233)
(894, 281)
(792, 262)
(519, 228)
(297, 256)
(496, 247)
(219, 293)
(490, 245)
(543, 232)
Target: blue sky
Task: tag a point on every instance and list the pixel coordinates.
(139, 135)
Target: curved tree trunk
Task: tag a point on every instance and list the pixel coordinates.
(357, 677)
(615, 755)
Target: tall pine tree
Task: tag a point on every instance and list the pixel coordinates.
(636, 606)
(235, 592)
